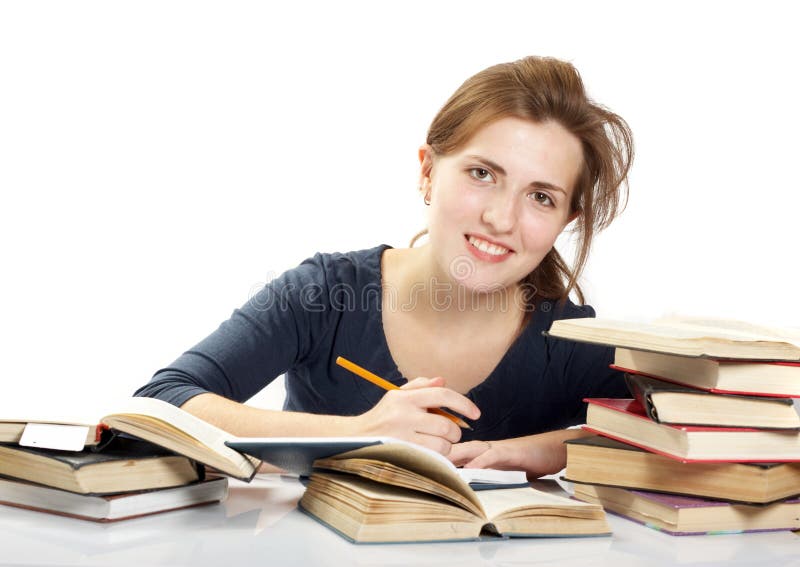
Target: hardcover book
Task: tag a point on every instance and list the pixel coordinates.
(111, 508)
(125, 465)
(666, 402)
(601, 460)
(626, 420)
(687, 337)
(682, 515)
(780, 379)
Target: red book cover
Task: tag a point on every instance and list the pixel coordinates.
(634, 409)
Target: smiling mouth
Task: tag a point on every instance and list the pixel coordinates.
(487, 247)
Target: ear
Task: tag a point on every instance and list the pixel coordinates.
(426, 166)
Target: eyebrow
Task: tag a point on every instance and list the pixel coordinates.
(499, 169)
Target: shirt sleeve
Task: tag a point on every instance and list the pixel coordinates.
(272, 332)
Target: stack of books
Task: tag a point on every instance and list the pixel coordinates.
(148, 458)
(710, 439)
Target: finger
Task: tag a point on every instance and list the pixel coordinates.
(438, 444)
(445, 398)
(485, 460)
(465, 452)
(423, 382)
(437, 426)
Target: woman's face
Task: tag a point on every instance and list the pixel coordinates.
(499, 202)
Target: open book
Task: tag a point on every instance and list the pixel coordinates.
(399, 492)
(153, 420)
(714, 338)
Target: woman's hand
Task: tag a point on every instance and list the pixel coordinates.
(537, 455)
(404, 414)
(504, 455)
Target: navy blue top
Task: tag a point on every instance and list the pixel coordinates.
(330, 305)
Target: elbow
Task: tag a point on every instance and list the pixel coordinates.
(170, 386)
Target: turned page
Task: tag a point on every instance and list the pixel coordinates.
(420, 460)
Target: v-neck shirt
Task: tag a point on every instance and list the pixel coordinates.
(330, 305)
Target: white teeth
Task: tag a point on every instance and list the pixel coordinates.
(484, 246)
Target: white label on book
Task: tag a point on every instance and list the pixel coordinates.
(55, 436)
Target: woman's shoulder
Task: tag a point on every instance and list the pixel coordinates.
(327, 282)
(570, 310)
(348, 267)
(354, 257)
(552, 310)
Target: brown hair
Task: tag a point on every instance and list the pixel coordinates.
(541, 89)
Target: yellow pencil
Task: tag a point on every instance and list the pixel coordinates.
(386, 385)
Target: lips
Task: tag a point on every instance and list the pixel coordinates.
(487, 250)
(487, 246)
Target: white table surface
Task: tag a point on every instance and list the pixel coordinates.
(259, 524)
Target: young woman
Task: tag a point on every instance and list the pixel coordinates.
(517, 154)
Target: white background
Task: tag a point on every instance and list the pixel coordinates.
(159, 160)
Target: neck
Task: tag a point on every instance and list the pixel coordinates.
(420, 285)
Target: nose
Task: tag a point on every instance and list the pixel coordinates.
(500, 213)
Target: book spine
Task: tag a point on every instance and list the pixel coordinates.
(642, 394)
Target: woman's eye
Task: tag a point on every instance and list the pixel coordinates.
(481, 174)
(542, 198)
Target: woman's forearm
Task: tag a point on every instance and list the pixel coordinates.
(247, 421)
(401, 413)
(545, 453)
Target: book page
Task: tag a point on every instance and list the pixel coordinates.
(631, 327)
(132, 408)
(680, 329)
(743, 329)
(162, 423)
(384, 501)
(419, 460)
(643, 335)
(387, 473)
(502, 501)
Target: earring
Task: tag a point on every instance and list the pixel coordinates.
(427, 198)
